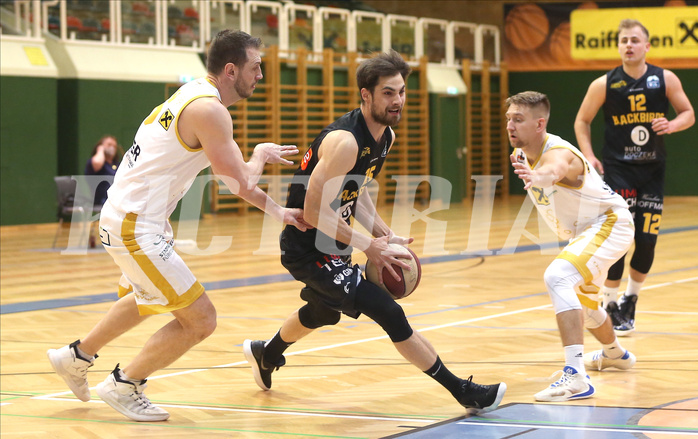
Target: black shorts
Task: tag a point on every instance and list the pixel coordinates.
(642, 187)
(331, 279)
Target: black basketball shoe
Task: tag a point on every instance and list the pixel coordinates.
(627, 313)
(614, 312)
(480, 398)
(254, 354)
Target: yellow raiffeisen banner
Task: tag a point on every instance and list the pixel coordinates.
(673, 31)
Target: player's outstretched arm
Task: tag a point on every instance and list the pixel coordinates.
(211, 124)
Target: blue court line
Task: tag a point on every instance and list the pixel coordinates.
(283, 277)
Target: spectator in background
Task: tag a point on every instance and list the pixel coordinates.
(104, 162)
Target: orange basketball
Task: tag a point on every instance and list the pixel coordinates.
(526, 26)
(560, 43)
(670, 3)
(409, 279)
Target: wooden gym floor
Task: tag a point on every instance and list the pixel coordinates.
(486, 316)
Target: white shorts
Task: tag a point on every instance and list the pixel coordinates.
(596, 249)
(151, 268)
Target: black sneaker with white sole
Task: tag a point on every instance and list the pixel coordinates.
(480, 398)
(262, 370)
(626, 310)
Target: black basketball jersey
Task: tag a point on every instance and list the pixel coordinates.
(369, 161)
(630, 106)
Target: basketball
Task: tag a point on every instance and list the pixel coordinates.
(560, 43)
(409, 280)
(526, 26)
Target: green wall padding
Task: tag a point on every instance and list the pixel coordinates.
(28, 150)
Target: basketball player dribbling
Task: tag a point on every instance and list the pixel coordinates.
(346, 156)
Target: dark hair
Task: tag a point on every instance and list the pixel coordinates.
(384, 64)
(630, 23)
(230, 46)
(531, 99)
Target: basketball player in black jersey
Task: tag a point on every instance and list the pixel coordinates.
(330, 183)
(635, 97)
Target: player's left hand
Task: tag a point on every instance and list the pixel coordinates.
(661, 126)
(395, 239)
(274, 153)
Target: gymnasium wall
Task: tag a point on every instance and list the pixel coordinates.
(50, 125)
(28, 152)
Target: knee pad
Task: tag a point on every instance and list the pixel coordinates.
(593, 318)
(616, 270)
(382, 309)
(643, 256)
(560, 279)
(314, 315)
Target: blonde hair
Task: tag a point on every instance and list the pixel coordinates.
(630, 23)
(533, 100)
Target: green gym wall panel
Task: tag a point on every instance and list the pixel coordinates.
(28, 150)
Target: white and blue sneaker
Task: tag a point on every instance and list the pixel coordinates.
(597, 360)
(572, 385)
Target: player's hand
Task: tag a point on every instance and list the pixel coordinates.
(395, 239)
(274, 153)
(661, 126)
(383, 256)
(524, 172)
(294, 217)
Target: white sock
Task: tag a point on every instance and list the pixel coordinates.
(574, 357)
(613, 350)
(127, 378)
(609, 295)
(84, 355)
(633, 288)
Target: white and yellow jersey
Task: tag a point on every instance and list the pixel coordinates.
(569, 210)
(159, 168)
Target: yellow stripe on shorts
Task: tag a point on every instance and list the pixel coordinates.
(128, 235)
(580, 261)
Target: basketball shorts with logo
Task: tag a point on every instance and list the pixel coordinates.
(596, 249)
(331, 280)
(151, 268)
(642, 187)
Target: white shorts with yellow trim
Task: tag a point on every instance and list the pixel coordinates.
(596, 249)
(152, 270)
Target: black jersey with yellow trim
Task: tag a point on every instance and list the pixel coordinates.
(367, 165)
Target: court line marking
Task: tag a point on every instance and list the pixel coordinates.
(365, 340)
(275, 412)
(659, 430)
(321, 348)
(92, 299)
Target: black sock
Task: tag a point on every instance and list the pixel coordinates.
(444, 376)
(275, 348)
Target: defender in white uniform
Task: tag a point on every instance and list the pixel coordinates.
(575, 202)
(184, 135)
